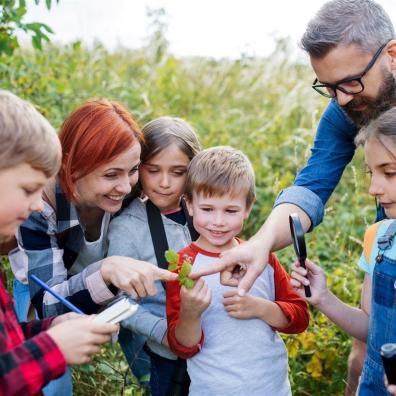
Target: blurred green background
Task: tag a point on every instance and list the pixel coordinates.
(264, 107)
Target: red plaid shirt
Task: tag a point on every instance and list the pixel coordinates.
(25, 366)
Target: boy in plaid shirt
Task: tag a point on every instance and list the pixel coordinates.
(33, 353)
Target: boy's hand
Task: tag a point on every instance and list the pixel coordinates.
(316, 279)
(241, 307)
(194, 301)
(79, 338)
(63, 318)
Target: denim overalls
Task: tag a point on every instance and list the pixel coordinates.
(382, 325)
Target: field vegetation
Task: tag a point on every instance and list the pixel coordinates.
(264, 107)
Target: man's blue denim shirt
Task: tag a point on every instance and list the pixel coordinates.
(332, 151)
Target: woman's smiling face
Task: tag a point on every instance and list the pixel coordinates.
(107, 186)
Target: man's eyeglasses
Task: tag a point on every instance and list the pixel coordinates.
(350, 86)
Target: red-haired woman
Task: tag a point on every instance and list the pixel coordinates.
(65, 245)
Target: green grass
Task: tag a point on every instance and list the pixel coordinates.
(264, 107)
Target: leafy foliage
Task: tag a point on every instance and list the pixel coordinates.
(172, 258)
(11, 19)
(264, 107)
(184, 270)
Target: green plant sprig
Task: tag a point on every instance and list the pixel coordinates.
(172, 258)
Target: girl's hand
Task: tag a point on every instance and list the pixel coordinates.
(194, 301)
(241, 307)
(135, 277)
(390, 388)
(316, 279)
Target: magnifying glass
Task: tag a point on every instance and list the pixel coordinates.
(297, 233)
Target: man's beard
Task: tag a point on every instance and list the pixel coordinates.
(384, 101)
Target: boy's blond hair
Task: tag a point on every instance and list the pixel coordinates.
(219, 171)
(26, 136)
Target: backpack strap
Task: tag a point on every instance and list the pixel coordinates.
(157, 231)
(158, 234)
(180, 385)
(193, 232)
(369, 238)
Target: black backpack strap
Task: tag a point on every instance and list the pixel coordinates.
(193, 232)
(180, 380)
(157, 232)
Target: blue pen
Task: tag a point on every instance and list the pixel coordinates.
(56, 295)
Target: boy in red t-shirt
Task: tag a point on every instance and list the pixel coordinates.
(230, 342)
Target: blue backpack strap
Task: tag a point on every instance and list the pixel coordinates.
(385, 241)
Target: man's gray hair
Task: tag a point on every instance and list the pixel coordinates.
(361, 22)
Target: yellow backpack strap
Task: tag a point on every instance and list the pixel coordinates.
(369, 238)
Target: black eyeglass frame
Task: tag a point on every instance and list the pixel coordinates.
(317, 87)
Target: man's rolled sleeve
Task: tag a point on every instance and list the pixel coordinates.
(306, 200)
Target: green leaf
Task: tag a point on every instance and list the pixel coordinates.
(46, 27)
(36, 42)
(172, 257)
(185, 269)
(172, 267)
(187, 283)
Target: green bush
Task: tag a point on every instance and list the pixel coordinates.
(264, 107)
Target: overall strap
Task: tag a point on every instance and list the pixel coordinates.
(158, 234)
(385, 241)
(193, 232)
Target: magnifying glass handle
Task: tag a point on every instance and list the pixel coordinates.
(307, 289)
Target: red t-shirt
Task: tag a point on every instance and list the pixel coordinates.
(293, 306)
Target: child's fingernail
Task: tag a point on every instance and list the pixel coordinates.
(241, 292)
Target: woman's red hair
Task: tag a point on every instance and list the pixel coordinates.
(94, 134)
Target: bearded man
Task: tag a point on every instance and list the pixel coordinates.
(352, 49)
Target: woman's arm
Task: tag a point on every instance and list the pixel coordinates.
(130, 236)
(88, 289)
(38, 239)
